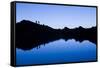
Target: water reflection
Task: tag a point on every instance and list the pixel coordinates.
(37, 42)
(59, 51)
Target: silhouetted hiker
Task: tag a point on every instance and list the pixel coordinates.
(38, 22)
(35, 21)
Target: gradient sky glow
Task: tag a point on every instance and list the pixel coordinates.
(57, 16)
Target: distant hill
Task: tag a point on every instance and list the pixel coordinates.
(28, 27)
(31, 26)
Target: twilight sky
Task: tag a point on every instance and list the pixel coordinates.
(57, 16)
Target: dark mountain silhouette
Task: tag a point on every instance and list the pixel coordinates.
(32, 34)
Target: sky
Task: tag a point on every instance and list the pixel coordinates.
(57, 16)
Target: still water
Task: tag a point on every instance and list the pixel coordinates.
(59, 51)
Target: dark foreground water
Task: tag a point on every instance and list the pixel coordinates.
(59, 51)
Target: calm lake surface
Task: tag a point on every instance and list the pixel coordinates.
(59, 51)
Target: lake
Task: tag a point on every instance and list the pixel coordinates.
(59, 51)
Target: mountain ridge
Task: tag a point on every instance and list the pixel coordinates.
(38, 23)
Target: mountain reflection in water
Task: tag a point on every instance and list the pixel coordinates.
(59, 51)
(41, 44)
(31, 34)
(36, 43)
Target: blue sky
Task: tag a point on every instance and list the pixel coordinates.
(57, 16)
